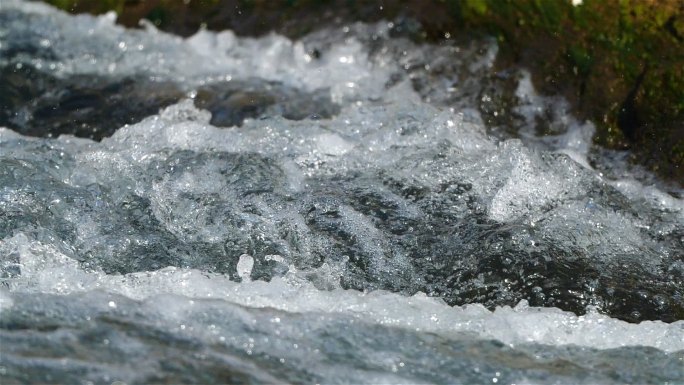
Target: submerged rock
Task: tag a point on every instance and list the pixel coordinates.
(36, 103)
(230, 103)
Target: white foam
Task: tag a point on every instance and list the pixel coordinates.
(244, 267)
(96, 45)
(46, 270)
(526, 188)
(574, 137)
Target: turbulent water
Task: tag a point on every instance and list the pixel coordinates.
(352, 207)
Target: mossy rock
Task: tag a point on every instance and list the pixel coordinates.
(619, 63)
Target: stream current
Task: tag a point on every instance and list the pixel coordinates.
(349, 207)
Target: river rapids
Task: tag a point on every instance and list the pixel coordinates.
(350, 207)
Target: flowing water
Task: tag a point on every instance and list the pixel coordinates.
(350, 207)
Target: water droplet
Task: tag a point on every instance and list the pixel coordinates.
(244, 267)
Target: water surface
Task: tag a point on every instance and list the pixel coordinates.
(350, 207)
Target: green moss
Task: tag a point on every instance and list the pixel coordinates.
(474, 8)
(158, 16)
(580, 59)
(602, 49)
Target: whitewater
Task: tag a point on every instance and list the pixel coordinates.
(348, 207)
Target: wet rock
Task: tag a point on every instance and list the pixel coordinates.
(232, 102)
(37, 104)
